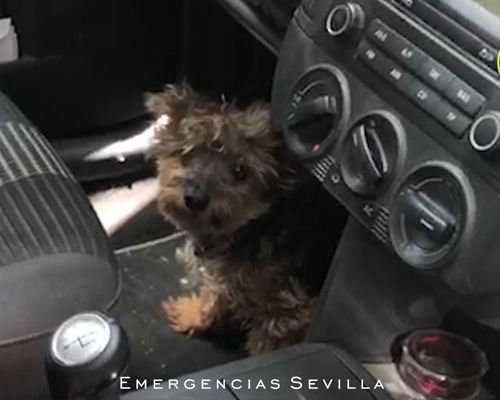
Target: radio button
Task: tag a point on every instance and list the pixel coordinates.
(396, 45)
(424, 97)
(372, 56)
(435, 75)
(451, 118)
(399, 77)
(384, 66)
(487, 54)
(408, 54)
(465, 97)
(380, 34)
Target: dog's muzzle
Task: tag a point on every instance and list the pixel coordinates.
(196, 197)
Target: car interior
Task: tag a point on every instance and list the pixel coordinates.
(391, 105)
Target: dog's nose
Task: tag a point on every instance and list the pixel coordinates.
(196, 199)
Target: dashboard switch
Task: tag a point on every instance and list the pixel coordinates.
(396, 45)
(485, 132)
(384, 66)
(435, 75)
(370, 153)
(435, 222)
(428, 215)
(464, 97)
(311, 111)
(315, 112)
(423, 96)
(451, 118)
(380, 34)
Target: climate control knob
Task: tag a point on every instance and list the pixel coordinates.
(485, 132)
(316, 111)
(370, 153)
(428, 215)
(345, 18)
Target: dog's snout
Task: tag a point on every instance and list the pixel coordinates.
(196, 197)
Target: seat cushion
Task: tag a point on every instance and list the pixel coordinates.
(55, 259)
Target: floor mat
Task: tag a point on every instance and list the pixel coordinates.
(150, 275)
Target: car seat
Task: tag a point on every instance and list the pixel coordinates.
(55, 259)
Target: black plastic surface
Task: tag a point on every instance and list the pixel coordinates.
(306, 361)
(371, 298)
(255, 23)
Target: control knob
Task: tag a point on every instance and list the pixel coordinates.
(345, 18)
(316, 111)
(428, 216)
(484, 134)
(370, 152)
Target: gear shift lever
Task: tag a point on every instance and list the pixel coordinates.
(87, 355)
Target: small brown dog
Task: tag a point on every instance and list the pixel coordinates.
(227, 180)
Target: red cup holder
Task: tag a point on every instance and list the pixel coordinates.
(442, 365)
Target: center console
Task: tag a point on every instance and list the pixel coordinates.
(400, 121)
(394, 105)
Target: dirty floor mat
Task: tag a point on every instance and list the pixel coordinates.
(150, 275)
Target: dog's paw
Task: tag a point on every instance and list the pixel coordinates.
(181, 255)
(185, 314)
(185, 257)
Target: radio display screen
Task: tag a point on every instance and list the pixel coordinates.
(492, 6)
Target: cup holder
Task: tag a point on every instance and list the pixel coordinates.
(442, 365)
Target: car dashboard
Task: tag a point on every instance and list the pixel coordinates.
(393, 106)
(401, 125)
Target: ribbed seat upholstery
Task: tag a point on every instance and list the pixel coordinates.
(54, 254)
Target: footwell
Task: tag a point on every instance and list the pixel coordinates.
(150, 274)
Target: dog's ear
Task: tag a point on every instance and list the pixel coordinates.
(174, 102)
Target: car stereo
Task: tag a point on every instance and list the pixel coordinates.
(395, 107)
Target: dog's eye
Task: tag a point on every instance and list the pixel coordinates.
(240, 172)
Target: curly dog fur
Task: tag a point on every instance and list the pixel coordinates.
(227, 180)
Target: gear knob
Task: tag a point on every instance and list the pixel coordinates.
(87, 355)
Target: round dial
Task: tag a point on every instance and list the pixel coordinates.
(316, 112)
(345, 18)
(370, 153)
(485, 132)
(428, 216)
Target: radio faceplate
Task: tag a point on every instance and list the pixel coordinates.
(412, 155)
(448, 88)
